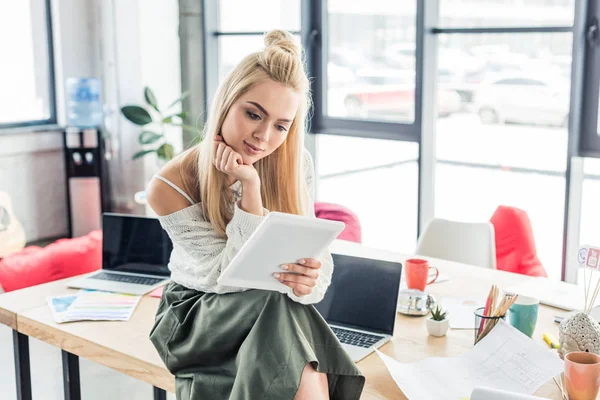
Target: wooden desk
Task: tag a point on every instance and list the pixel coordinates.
(411, 342)
(125, 347)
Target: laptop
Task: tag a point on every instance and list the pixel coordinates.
(360, 304)
(135, 254)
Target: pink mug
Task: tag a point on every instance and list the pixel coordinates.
(582, 375)
(417, 272)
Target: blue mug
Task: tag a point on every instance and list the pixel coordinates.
(523, 314)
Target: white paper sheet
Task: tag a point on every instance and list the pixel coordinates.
(460, 311)
(505, 359)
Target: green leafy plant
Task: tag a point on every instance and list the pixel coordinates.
(438, 314)
(154, 121)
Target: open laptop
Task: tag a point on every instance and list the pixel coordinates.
(135, 254)
(360, 304)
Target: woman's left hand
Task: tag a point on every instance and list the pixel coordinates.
(301, 277)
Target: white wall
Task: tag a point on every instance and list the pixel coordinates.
(128, 44)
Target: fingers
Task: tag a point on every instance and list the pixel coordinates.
(225, 157)
(288, 279)
(220, 148)
(307, 271)
(233, 161)
(301, 285)
(310, 263)
(300, 277)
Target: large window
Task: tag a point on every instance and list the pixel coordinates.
(449, 109)
(507, 143)
(370, 61)
(239, 29)
(366, 99)
(378, 181)
(26, 70)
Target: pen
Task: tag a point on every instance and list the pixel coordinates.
(550, 341)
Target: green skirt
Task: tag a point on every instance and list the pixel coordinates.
(247, 345)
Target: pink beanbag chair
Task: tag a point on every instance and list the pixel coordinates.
(335, 212)
(61, 259)
(515, 245)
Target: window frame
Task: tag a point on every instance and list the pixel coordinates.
(52, 119)
(314, 26)
(589, 145)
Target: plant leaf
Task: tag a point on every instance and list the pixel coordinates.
(150, 98)
(148, 137)
(183, 96)
(136, 114)
(168, 120)
(165, 151)
(142, 154)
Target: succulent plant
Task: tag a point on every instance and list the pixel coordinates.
(438, 314)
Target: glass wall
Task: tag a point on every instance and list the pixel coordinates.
(378, 181)
(507, 145)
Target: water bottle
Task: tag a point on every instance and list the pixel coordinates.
(84, 108)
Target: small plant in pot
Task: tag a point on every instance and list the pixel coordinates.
(437, 324)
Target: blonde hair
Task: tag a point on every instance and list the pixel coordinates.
(281, 173)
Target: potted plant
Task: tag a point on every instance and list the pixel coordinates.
(153, 121)
(437, 324)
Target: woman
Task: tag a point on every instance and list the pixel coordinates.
(228, 342)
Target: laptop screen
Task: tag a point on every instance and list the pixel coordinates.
(363, 294)
(132, 243)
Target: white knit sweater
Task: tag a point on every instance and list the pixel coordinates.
(199, 255)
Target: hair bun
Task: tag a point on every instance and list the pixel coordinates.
(282, 40)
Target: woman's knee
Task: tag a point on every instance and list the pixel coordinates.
(313, 384)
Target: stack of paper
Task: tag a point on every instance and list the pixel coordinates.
(505, 359)
(94, 306)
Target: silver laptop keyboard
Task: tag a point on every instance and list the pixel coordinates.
(356, 338)
(138, 280)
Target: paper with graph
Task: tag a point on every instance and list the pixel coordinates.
(505, 359)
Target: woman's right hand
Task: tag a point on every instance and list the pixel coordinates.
(228, 161)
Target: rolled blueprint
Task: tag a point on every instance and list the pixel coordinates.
(485, 393)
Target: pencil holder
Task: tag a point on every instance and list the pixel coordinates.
(484, 324)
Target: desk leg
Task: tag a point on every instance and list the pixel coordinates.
(22, 367)
(159, 394)
(71, 376)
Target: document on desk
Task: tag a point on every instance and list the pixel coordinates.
(94, 306)
(505, 359)
(461, 311)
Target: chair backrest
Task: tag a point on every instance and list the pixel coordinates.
(469, 243)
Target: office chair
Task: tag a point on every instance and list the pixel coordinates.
(469, 243)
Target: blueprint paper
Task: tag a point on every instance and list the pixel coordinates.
(505, 359)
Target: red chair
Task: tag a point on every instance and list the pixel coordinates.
(59, 260)
(515, 245)
(336, 212)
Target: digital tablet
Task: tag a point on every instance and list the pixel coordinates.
(280, 239)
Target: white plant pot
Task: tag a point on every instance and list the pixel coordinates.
(437, 328)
